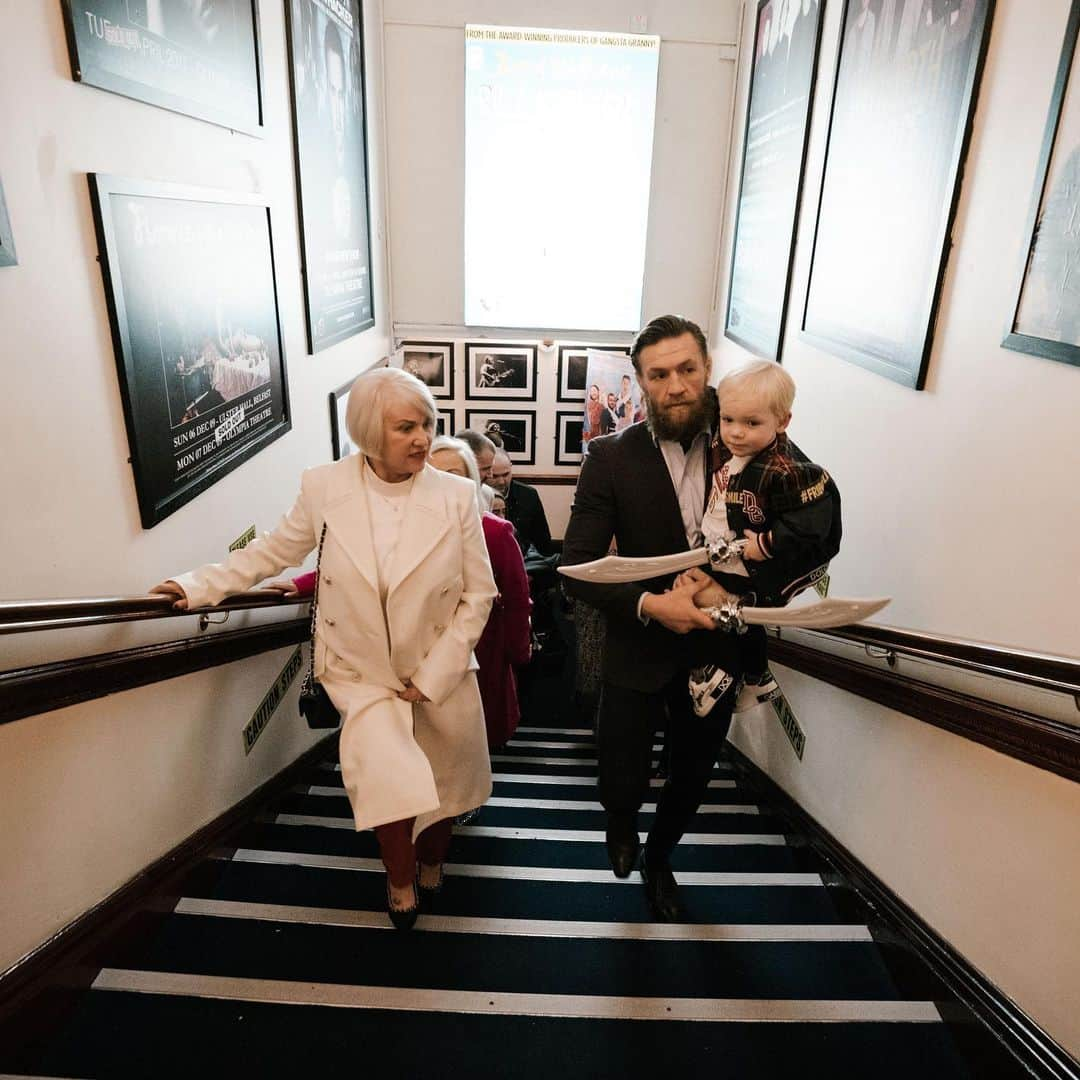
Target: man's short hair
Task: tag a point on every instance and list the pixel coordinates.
(369, 397)
(766, 378)
(476, 441)
(662, 328)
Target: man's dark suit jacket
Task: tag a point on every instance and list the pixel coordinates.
(526, 512)
(625, 492)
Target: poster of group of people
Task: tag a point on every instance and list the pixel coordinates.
(197, 57)
(904, 92)
(774, 149)
(326, 49)
(193, 305)
(613, 399)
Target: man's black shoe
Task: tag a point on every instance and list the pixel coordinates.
(622, 849)
(662, 890)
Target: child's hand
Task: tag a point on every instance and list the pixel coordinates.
(752, 552)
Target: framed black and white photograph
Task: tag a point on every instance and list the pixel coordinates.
(513, 429)
(1046, 319)
(326, 64)
(770, 183)
(432, 362)
(500, 372)
(573, 367)
(201, 58)
(341, 443)
(445, 422)
(568, 438)
(192, 299)
(7, 238)
(906, 84)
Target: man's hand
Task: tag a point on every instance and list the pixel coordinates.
(411, 694)
(708, 593)
(170, 588)
(676, 609)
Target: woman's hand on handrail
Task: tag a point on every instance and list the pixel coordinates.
(285, 586)
(170, 588)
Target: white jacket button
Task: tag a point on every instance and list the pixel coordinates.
(330, 622)
(439, 629)
(445, 590)
(327, 581)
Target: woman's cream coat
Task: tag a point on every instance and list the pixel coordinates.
(398, 761)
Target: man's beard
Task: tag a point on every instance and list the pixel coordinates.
(684, 425)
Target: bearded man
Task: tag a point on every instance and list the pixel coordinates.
(646, 487)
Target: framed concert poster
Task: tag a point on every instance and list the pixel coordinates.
(782, 73)
(341, 444)
(512, 429)
(195, 57)
(326, 64)
(1046, 319)
(500, 372)
(432, 362)
(568, 438)
(7, 239)
(906, 84)
(192, 299)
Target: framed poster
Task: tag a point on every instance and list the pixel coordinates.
(201, 58)
(515, 429)
(326, 64)
(7, 239)
(906, 84)
(445, 422)
(1046, 319)
(614, 400)
(432, 362)
(341, 444)
(572, 368)
(500, 372)
(189, 282)
(569, 444)
(782, 73)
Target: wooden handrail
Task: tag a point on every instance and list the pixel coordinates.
(1046, 671)
(26, 616)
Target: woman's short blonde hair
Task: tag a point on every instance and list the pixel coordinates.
(766, 378)
(468, 459)
(369, 397)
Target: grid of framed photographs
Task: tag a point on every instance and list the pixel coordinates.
(515, 428)
(572, 368)
(496, 372)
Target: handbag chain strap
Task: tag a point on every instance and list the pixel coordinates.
(315, 609)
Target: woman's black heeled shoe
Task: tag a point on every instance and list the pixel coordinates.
(428, 892)
(402, 918)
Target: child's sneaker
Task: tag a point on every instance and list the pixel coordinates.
(708, 685)
(757, 693)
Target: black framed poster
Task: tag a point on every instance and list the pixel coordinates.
(326, 54)
(432, 362)
(341, 444)
(189, 281)
(7, 239)
(781, 96)
(906, 84)
(500, 372)
(201, 58)
(569, 445)
(1046, 319)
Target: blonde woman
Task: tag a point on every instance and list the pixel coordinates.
(405, 591)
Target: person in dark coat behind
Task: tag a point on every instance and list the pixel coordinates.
(504, 644)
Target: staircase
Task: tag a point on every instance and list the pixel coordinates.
(278, 958)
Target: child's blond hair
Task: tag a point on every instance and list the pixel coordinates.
(767, 378)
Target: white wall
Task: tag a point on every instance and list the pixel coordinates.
(959, 501)
(425, 65)
(91, 794)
